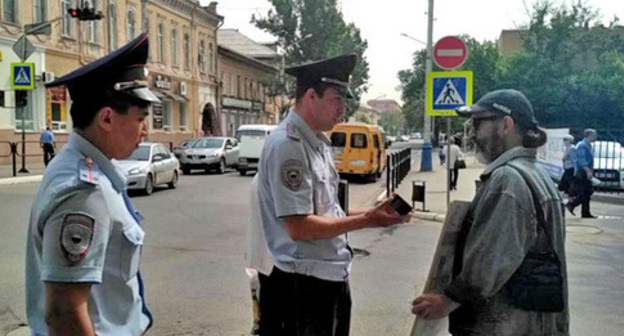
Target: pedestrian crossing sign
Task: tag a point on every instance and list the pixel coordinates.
(448, 90)
(22, 76)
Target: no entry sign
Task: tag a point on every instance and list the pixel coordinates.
(450, 52)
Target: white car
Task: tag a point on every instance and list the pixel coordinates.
(251, 139)
(151, 164)
(210, 153)
(609, 164)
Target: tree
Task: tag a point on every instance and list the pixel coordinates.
(570, 67)
(310, 30)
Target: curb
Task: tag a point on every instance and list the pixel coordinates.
(20, 180)
(430, 216)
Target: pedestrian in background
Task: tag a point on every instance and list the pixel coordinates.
(84, 238)
(583, 175)
(569, 164)
(452, 160)
(442, 154)
(509, 274)
(47, 143)
(304, 225)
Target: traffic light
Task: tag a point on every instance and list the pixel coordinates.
(21, 98)
(85, 14)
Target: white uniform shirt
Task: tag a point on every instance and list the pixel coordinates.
(82, 230)
(298, 177)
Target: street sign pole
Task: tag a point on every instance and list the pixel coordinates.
(448, 162)
(426, 162)
(23, 169)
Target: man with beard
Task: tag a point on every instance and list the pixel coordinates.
(509, 271)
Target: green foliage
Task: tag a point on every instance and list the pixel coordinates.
(315, 29)
(570, 66)
(393, 122)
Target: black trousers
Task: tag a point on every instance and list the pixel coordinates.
(48, 153)
(565, 184)
(583, 189)
(300, 305)
(454, 176)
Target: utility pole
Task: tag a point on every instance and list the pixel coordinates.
(426, 160)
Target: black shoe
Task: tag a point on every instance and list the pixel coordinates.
(570, 208)
(589, 216)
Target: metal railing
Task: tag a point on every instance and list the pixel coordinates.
(398, 165)
(15, 151)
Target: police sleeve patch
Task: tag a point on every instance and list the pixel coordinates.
(76, 236)
(292, 174)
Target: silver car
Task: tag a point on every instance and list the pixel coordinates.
(211, 153)
(149, 165)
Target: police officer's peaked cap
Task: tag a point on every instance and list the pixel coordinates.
(122, 70)
(333, 71)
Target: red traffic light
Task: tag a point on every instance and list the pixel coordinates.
(75, 12)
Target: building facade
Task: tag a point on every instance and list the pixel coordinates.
(182, 63)
(247, 69)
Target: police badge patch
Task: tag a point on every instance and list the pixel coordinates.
(292, 174)
(76, 236)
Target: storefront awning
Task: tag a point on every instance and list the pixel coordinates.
(158, 94)
(175, 97)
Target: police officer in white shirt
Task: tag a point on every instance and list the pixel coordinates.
(307, 292)
(84, 239)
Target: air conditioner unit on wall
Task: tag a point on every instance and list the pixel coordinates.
(47, 77)
(183, 88)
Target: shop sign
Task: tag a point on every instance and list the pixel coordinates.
(162, 82)
(238, 103)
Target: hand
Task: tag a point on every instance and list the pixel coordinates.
(384, 215)
(433, 306)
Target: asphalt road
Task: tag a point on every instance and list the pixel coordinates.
(194, 270)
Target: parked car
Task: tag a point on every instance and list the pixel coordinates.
(416, 136)
(251, 139)
(210, 153)
(151, 164)
(403, 138)
(185, 144)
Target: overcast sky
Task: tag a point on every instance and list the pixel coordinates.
(382, 22)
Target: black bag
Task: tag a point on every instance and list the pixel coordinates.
(537, 285)
(460, 164)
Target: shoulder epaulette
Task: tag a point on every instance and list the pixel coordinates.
(88, 171)
(292, 131)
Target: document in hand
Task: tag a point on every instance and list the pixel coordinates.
(442, 267)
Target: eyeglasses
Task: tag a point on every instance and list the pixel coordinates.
(476, 122)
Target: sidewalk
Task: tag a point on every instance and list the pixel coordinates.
(435, 188)
(35, 173)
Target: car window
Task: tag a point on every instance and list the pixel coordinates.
(208, 143)
(140, 154)
(358, 140)
(338, 139)
(376, 140)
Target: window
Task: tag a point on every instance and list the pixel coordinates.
(239, 83)
(358, 140)
(40, 11)
(57, 110)
(174, 46)
(224, 83)
(187, 52)
(161, 43)
(167, 120)
(338, 139)
(183, 117)
(201, 56)
(130, 24)
(112, 27)
(376, 141)
(9, 10)
(93, 26)
(211, 59)
(68, 22)
(233, 85)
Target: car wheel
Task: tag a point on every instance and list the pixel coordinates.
(149, 185)
(174, 180)
(186, 171)
(221, 168)
(242, 172)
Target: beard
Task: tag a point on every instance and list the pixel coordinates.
(490, 148)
